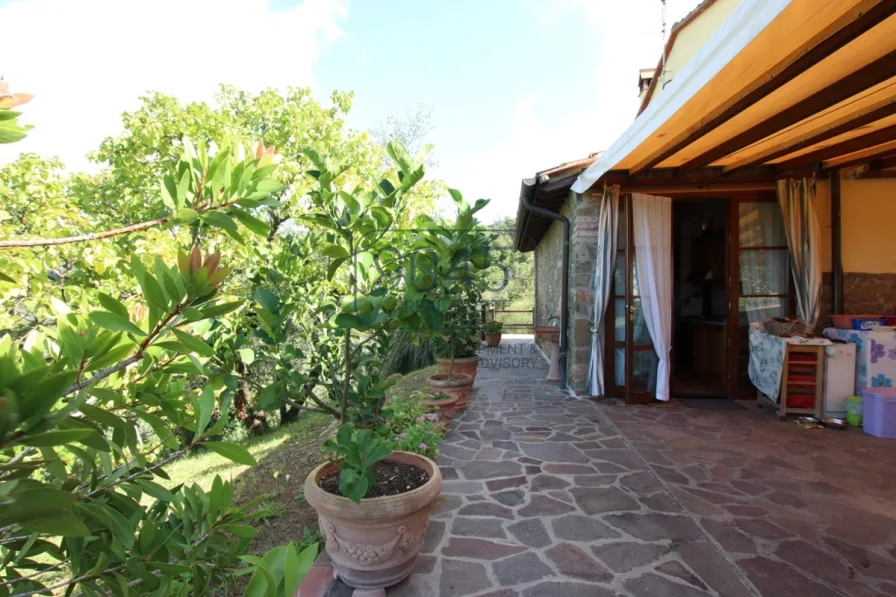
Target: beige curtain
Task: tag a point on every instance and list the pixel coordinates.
(797, 199)
(607, 224)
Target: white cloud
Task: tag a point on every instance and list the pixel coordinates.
(87, 61)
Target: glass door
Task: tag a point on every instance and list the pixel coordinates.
(762, 288)
(630, 366)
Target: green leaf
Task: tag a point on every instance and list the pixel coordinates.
(194, 343)
(57, 438)
(41, 398)
(247, 355)
(62, 524)
(205, 408)
(231, 451)
(115, 322)
(113, 305)
(335, 252)
(219, 220)
(185, 215)
(241, 530)
(267, 299)
(257, 226)
(400, 155)
(222, 309)
(169, 192)
(156, 490)
(101, 416)
(334, 265)
(346, 320)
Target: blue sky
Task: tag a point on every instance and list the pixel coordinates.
(515, 86)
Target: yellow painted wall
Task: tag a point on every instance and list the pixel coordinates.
(868, 221)
(693, 37)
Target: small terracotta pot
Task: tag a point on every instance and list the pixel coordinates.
(375, 544)
(442, 405)
(547, 332)
(459, 386)
(466, 365)
(492, 339)
(447, 410)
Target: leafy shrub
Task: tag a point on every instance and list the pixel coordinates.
(422, 437)
(493, 327)
(357, 451)
(402, 411)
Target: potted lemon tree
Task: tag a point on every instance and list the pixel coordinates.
(373, 503)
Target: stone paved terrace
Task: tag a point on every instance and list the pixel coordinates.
(549, 496)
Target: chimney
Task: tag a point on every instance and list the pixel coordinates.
(645, 76)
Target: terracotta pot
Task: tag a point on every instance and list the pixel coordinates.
(442, 405)
(466, 365)
(492, 339)
(375, 544)
(459, 386)
(547, 332)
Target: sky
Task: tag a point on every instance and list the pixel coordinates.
(514, 86)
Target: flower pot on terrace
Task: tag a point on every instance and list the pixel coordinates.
(459, 386)
(466, 365)
(375, 544)
(492, 338)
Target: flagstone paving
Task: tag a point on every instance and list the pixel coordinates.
(546, 495)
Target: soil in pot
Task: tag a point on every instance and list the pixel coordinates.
(392, 478)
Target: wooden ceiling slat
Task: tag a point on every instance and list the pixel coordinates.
(871, 74)
(793, 146)
(799, 62)
(840, 149)
(885, 150)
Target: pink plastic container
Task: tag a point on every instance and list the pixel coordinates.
(879, 412)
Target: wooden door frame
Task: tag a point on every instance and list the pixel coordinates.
(734, 295)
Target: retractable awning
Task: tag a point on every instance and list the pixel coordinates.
(783, 88)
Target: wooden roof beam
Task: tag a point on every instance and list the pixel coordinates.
(852, 122)
(794, 65)
(839, 149)
(885, 152)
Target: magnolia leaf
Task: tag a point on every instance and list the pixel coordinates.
(231, 451)
(194, 343)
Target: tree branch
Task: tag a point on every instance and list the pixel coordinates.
(50, 242)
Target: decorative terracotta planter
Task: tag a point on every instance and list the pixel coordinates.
(459, 386)
(466, 365)
(375, 544)
(547, 332)
(447, 410)
(492, 339)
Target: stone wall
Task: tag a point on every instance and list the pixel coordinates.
(549, 270)
(873, 294)
(582, 212)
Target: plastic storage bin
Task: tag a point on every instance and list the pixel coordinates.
(879, 412)
(867, 323)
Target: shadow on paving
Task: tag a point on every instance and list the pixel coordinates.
(544, 498)
(550, 496)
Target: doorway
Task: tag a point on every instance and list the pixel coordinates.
(701, 298)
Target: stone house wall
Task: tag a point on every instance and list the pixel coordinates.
(582, 212)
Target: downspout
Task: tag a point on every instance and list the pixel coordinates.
(527, 193)
(836, 246)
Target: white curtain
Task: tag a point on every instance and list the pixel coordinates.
(653, 247)
(607, 225)
(797, 199)
(762, 272)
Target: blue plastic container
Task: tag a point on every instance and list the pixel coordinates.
(879, 412)
(867, 323)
